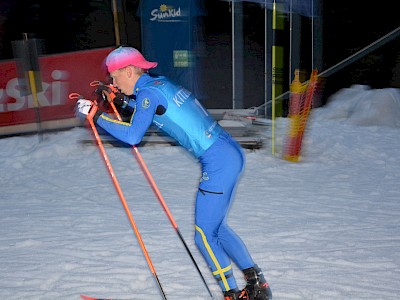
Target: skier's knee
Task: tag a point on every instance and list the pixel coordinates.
(199, 237)
(202, 236)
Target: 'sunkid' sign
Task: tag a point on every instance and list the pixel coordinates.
(168, 37)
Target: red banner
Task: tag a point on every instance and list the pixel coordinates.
(61, 75)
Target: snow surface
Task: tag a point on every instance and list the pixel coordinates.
(327, 227)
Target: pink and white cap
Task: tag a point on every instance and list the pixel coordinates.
(125, 56)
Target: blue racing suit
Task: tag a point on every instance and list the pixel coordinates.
(175, 111)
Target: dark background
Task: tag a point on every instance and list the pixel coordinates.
(348, 26)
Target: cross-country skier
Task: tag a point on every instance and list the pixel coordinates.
(176, 111)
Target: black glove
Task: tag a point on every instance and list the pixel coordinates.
(121, 100)
(100, 88)
(101, 97)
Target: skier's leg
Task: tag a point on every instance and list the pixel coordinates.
(222, 167)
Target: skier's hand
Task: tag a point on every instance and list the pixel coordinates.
(86, 109)
(108, 94)
(103, 92)
(100, 88)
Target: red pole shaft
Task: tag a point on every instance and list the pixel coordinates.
(124, 203)
(153, 185)
(147, 174)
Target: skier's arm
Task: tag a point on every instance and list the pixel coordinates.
(132, 132)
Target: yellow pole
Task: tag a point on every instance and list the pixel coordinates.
(34, 90)
(277, 68)
(32, 83)
(273, 82)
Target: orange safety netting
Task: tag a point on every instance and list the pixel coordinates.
(300, 103)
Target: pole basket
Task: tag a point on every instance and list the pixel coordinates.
(300, 103)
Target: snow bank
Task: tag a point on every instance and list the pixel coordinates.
(361, 105)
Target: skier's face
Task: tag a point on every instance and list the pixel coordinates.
(125, 79)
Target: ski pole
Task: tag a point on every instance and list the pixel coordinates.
(158, 194)
(123, 201)
(160, 198)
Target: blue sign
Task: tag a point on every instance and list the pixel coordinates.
(169, 37)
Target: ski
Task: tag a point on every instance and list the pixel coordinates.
(85, 297)
(91, 298)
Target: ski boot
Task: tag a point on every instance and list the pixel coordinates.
(257, 287)
(232, 294)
